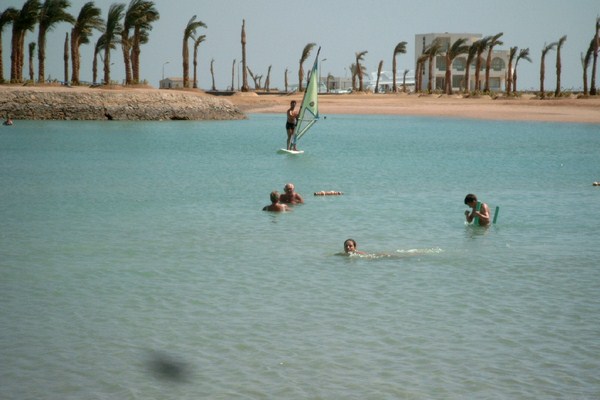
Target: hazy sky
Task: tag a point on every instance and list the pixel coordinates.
(277, 31)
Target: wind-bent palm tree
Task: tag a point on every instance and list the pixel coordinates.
(432, 51)
(523, 54)
(585, 63)
(545, 51)
(6, 18)
(378, 76)
(189, 32)
(595, 57)
(511, 56)
(419, 71)
(559, 45)
(31, 54)
(98, 52)
(305, 53)
(142, 16)
(23, 20)
(494, 41)
(245, 87)
(471, 54)
(399, 49)
(111, 32)
(482, 45)
(360, 56)
(197, 42)
(88, 19)
(457, 48)
(51, 13)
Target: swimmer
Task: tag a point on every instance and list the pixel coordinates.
(350, 247)
(275, 205)
(483, 213)
(290, 196)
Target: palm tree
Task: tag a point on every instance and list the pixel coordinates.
(144, 17)
(378, 76)
(494, 41)
(23, 21)
(585, 63)
(268, 80)
(6, 18)
(100, 43)
(360, 56)
(471, 54)
(233, 75)
(595, 57)
(112, 30)
(245, 87)
(31, 53)
(523, 54)
(406, 71)
(482, 45)
(545, 51)
(189, 32)
(559, 45)
(419, 71)
(511, 56)
(212, 73)
(353, 73)
(458, 47)
(285, 79)
(303, 57)
(432, 51)
(197, 42)
(51, 13)
(399, 49)
(89, 19)
(66, 57)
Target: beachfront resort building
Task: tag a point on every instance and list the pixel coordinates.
(171, 83)
(498, 71)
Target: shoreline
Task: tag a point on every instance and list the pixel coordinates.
(524, 108)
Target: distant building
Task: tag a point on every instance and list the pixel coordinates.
(498, 71)
(172, 83)
(386, 81)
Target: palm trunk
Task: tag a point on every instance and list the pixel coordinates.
(430, 80)
(74, 59)
(31, 69)
(186, 61)
(595, 61)
(448, 76)
(394, 87)
(509, 77)
(107, 65)
(558, 71)
(244, 71)
(1, 60)
(66, 58)
(378, 75)
(233, 76)
(542, 76)
(195, 82)
(126, 47)
(41, 55)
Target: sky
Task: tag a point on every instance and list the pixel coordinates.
(277, 32)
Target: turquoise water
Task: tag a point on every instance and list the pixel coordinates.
(135, 262)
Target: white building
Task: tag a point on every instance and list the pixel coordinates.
(386, 81)
(172, 83)
(498, 71)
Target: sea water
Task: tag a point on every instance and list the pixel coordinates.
(136, 263)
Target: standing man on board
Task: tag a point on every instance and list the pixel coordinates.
(480, 212)
(290, 125)
(290, 196)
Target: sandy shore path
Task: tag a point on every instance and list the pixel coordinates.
(518, 109)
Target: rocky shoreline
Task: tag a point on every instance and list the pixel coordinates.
(66, 103)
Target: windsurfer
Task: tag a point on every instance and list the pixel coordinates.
(290, 196)
(275, 204)
(290, 125)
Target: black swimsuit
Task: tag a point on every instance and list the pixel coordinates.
(290, 125)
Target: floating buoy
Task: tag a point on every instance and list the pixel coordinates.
(328, 193)
(596, 184)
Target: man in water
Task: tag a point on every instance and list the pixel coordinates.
(483, 213)
(275, 204)
(290, 125)
(350, 247)
(290, 196)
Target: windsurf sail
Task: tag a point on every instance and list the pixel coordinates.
(309, 109)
